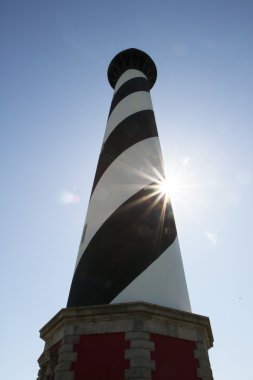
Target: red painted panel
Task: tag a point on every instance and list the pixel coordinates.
(101, 356)
(174, 358)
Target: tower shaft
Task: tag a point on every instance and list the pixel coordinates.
(129, 249)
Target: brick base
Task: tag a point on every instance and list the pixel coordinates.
(130, 341)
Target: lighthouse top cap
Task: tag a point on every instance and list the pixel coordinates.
(131, 59)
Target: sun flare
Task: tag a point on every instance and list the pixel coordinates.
(169, 187)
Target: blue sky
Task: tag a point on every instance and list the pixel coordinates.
(55, 99)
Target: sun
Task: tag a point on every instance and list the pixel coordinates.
(169, 187)
(173, 185)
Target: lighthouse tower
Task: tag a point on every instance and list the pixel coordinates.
(128, 314)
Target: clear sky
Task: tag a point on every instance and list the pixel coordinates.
(55, 99)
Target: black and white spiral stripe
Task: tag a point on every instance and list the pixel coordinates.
(129, 249)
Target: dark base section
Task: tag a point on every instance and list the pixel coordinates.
(126, 342)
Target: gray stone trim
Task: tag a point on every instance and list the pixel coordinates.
(137, 335)
(70, 339)
(137, 353)
(58, 363)
(205, 373)
(64, 376)
(172, 330)
(204, 370)
(47, 363)
(140, 343)
(66, 348)
(65, 335)
(133, 373)
(133, 316)
(54, 339)
(127, 325)
(141, 365)
(66, 356)
(63, 366)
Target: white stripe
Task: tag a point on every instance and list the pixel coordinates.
(138, 101)
(162, 283)
(127, 75)
(130, 172)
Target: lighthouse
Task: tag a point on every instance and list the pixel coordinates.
(129, 249)
(128, 314)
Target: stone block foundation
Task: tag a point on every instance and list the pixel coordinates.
(130, 341)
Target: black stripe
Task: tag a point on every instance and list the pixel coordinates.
(129, 87)
(135, 128)
(134, 236)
